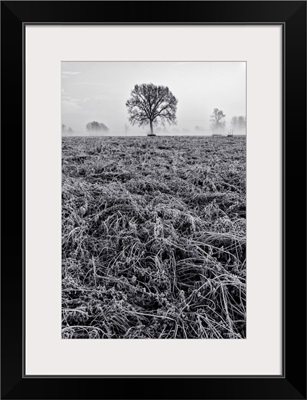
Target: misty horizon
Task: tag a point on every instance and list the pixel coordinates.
(98, 91)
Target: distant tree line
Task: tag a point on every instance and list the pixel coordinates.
(238, 123)
(154, 105)
(66, 129)
(95, 126)
(218, 123)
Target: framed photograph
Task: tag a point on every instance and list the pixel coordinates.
(154, 214)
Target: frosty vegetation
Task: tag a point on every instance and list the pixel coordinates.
(153, 237)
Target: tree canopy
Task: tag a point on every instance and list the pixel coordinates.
(150, 104)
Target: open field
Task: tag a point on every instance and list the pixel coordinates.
(153, 237)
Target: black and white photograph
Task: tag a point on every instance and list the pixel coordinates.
(153, 199)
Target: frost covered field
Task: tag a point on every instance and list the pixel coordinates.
(153, 237)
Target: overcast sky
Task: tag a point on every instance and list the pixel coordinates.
(98, 91)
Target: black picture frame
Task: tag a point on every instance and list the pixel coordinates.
(292, 16)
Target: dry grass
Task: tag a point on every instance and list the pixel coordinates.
(153, 237)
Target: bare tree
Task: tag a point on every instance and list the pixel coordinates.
(217, 119)
(150, 104)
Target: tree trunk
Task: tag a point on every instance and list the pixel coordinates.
(151, 129)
